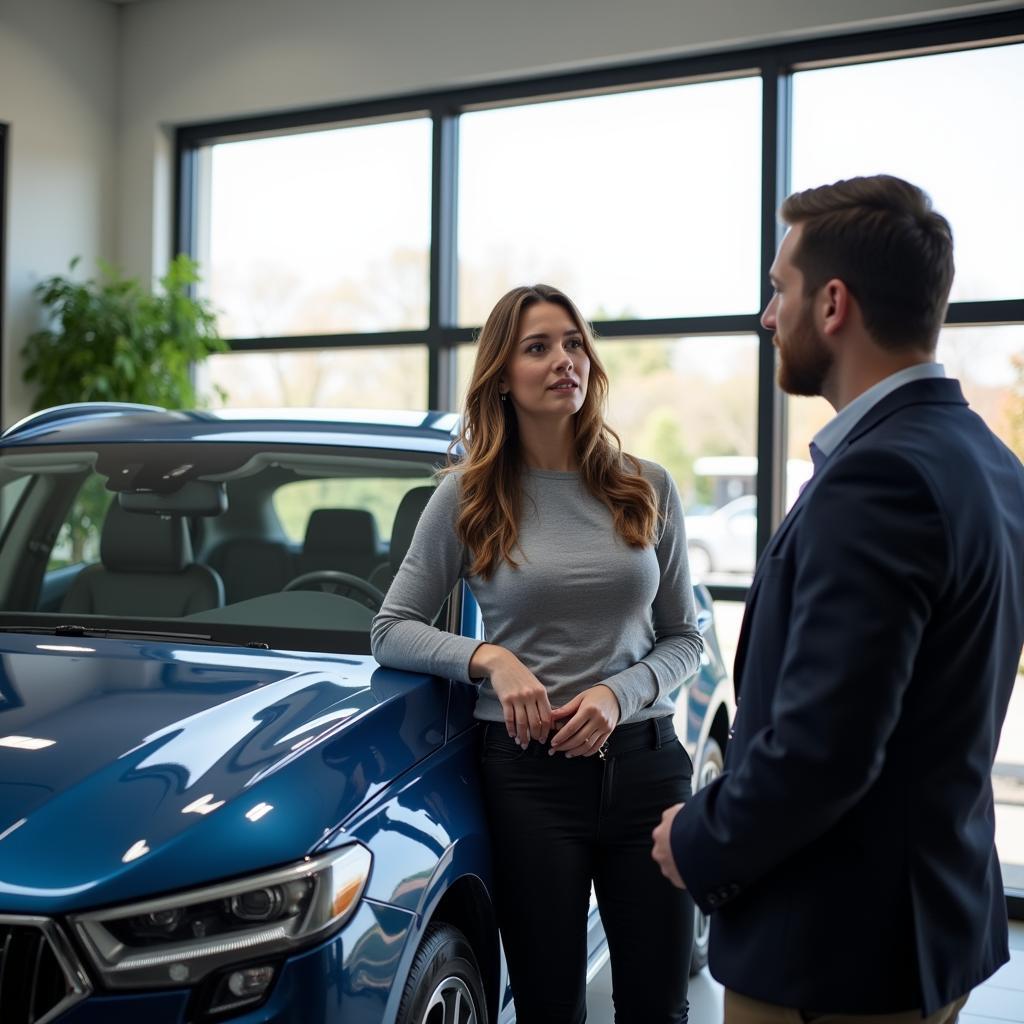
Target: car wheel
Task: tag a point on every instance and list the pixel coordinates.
(700, 561)
(712, 763)
(444, 984)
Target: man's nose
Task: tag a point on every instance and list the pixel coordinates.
(768, 316)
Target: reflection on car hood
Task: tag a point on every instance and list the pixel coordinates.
(129, 768)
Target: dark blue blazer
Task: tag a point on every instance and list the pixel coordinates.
(846, 854)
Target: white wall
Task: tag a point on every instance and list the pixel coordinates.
(58, 87)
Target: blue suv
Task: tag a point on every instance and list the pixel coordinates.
(214, 804)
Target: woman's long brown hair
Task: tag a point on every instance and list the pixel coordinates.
(490, 473)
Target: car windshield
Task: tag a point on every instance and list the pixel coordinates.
(288, 546)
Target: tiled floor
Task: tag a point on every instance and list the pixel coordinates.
(705, 999)
(999, 1000)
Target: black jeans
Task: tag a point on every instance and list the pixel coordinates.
(556, 825)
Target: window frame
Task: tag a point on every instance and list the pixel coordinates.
(775, 65)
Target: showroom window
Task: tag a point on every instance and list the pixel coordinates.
(949, 122)
(630, 202)
(989, 362)
(370, 377)
(337, 243)
(319, 232)
(353, 251)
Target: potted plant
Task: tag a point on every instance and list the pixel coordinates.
(111, 340)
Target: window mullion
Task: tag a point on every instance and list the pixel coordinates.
(443, 258)
(771, 407)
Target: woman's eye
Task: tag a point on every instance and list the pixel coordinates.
(576, 343)
(536, 347)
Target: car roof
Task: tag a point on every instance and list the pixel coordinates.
(116, 422)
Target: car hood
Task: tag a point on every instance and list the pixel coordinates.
(129, 768)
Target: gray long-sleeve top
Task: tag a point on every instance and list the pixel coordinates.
(581, 608)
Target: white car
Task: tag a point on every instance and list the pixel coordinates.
(723, 540)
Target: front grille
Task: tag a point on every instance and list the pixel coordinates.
(40, 977)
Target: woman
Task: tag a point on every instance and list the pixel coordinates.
(576, 555)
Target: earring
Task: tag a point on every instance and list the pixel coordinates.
(504, 396)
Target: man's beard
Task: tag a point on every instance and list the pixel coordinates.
(804, 361)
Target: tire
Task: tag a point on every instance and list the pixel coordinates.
(444, 984)
(712, 763)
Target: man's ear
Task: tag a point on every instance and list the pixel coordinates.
(833, 306)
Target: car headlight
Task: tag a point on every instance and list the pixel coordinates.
(179, 940)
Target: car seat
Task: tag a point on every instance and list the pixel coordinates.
(145, 569)
(340, 538)
(410, 508)
(252, 566)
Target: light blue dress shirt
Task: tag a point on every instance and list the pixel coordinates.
(828, 439)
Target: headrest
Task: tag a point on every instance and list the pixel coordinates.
(341, 529)
(135, 542)
(408, 515)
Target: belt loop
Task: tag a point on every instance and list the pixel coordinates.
(657, 733)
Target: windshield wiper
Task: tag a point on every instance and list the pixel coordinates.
(73, 629)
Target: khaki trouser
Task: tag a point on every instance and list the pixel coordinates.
(742, 1010)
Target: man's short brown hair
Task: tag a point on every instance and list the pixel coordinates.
(882, 239)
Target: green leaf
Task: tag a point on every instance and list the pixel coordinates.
(108, 338)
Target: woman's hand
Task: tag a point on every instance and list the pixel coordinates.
(524, 700)
(585, 723)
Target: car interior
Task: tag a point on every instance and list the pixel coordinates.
(235, 534)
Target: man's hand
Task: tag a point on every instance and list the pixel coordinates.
(584, 724)
(662, 852)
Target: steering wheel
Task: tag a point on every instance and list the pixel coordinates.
(344, 584)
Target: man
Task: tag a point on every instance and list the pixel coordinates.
(846, 854)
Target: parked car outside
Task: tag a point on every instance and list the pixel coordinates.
(724, 540)
(214, 804)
